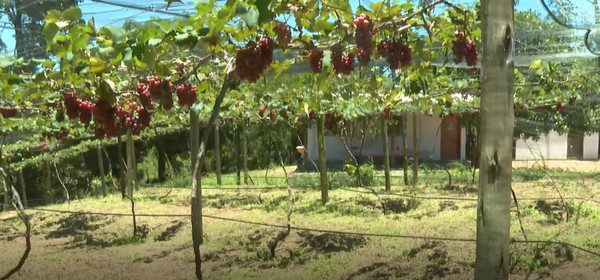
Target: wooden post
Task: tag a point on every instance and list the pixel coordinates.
(162, 158)
(101, 168)
(497, 125)
(218, 152)
(23, 189)
(122, 174)
(194, 148)
(322, 160)
(131, 171)
(393, 132)
(415, 137)
(405, 147)
(245, 151)
(238, 152)
(386, 153)
(48, 182)
(7, 196)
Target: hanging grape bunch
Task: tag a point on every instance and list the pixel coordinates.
(363, 36)
(104, 116)
(9, 112)
(315, 57)
(396, 52)
(284, 34)
(186, 94)
(342, 64)
(261, 110)
(144, 95)
(253, 60)
(159, 89)
(464, 49)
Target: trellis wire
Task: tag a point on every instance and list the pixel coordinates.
(339, 232)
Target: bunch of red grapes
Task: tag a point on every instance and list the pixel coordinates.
(8, 112)
(261, 110)
(77, 108)
(186, 94)
(315, 57)
(363, 36)
(156, 89)
(253, 60)
(104, 116)
(464, 49)
(284, 34)
(397, 53)
(342, 64)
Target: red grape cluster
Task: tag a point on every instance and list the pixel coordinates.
(104, 116)
(464, 49)
(342, 64)
(397, 53)
(158, 87)
(261, 110)
(85, 111)
(387, 113)
(253, 60)
(273, 114)
(316, 61)
(144, 95)
(363, 36)
(186, 94)
(72, 105)
(9, 112)
(284, 34)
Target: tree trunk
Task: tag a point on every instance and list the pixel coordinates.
(101, 169)
(131, 170)
(415, 137)
(218, 153)
(245, 151)
(48, 182)
(196, 199)
(121, 160)
(162, 158)
(322, 161)
(405, 147)
(194, 148)
(23, 189)
(238, 153)
(496, 132)
(393, 132)
(386, 153)
(7, 195)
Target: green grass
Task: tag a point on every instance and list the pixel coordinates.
(235, 250)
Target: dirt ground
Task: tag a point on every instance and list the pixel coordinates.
(568, 165)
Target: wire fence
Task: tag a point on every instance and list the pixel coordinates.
(339, 232)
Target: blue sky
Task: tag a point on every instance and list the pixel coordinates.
(106, 14)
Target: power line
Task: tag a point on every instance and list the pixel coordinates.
(147, 9)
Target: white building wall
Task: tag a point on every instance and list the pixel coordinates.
(528, 149)
(550, 146)
(557, 145)
(428, 137)
(590, 146)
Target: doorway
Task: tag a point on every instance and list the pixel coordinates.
(450, 141)
(575, 146)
